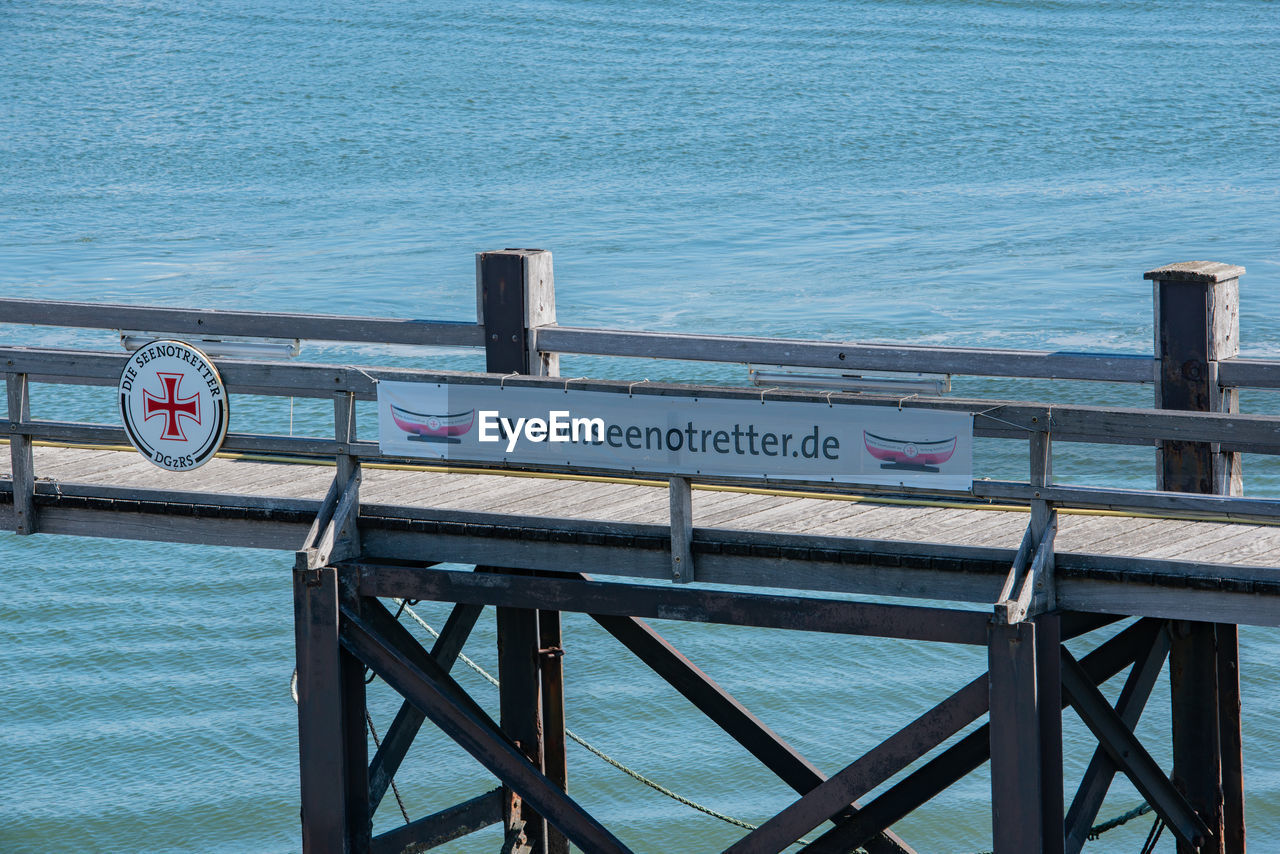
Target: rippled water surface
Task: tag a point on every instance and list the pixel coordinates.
(986, 173)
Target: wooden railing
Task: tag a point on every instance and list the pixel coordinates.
(1036, 422)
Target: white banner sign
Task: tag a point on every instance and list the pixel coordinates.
(880, 445)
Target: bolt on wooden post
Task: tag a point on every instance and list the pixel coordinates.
(515, 295)
(1197, 325)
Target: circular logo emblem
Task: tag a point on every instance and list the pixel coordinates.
(174, 405)
(911, 450)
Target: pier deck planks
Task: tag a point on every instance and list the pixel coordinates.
(568, 498)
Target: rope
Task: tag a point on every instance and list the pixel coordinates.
(1099, 829)
(368, 719)
(630, 772)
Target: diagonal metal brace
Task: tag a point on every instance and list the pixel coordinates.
(438, 699)
(1128, 753)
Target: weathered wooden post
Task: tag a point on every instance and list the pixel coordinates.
(1017, 802)
(332, 751)
(1197, 324)
(516, 295)
(23, 463)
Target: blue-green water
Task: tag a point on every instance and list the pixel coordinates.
(995, 173)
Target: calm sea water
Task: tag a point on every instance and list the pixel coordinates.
(994, 173)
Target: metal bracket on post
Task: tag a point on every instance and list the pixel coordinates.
(23, 463)
(681, 530)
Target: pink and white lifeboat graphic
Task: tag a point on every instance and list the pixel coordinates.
(907, 454)
(429, 427)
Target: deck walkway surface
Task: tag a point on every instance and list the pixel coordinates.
(715, 508)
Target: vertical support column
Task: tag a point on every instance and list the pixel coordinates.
(23, 464)
(1049, 697)
(1017, 803)
(355, 742)
(554, 758)
(333, 749)
(1230, 742)
(515, 295)
(520, 706)
(1048, 638)
(1197, 323)
(321, 750)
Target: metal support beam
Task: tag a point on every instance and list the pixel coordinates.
(441, 827)
(1097, 777)
(321, 722)
(1231, 745)
(404, 728)
(1197, 756)
(436, 697)
(678, 603)
(879, 764)
(965, 756)
(1017, 808)
(520, 699)
(555, 762)
(1049, 700)
(727, 713)
(1129, 754)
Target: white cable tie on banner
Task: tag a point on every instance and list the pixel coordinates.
(502, 384)
(570, 380)
(763, 391)
(636, 383)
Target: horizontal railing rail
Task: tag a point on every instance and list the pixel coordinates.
(569, 340)
(970, 361)
(992, 419)
(249, 324)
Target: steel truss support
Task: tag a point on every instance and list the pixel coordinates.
(342, 628)
(413, 673)
(966, 755)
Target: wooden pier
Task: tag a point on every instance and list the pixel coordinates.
(1175, 569)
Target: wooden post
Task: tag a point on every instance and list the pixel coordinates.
(321, 752)
(23, 463)
(1049, 696)
(1017, 802)
(1048, 637)
(355, 741)
(515, 295)
(1197, 324)
(681, 504)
